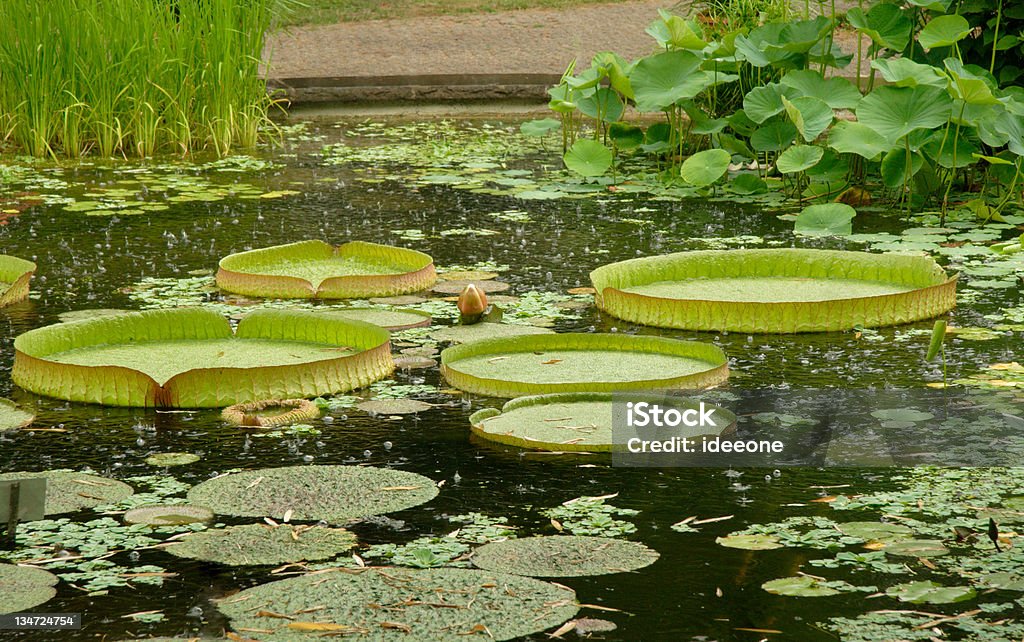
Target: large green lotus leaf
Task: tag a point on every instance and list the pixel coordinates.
(825, 219)
(334, 494)
(705, 167)
(886, 24)
(540, 127)
(263, 544)
(188, 357)
(11, 416)
(904, 72)
(857, 138)
(928, 592)
(563, 556)
(568, 422)
(952, 150)
(894, 112)
(577, 362)
(971, 88)
(897, 167)
(662, 80)
(799, 158)
(67, 492)
(837, 92)
(314, 269)
(477, 331)
(22, 587)
(810, 115)
(588, 157)
(15, 274)
(674, 32)
(625, 136)
(798, 586)
(775, 136)
(504, 606)
(604, 105)
(392, 320)
(774, 290)
(764, 101)
(944, 31)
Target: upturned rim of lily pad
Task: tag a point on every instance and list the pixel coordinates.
(520, 435)
(17, 272)
(933, 290)
(247, 414)
(245, 272)
(203, 387)
(716, 372)
(394, 320)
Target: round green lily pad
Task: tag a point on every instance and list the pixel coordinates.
(754, 542)
(577, 362)
(189, 357)
(457, 286)
(394, 406)
(172, 459)
(168, 515)
(774, 290)
(392, 320)
(484, 330)
(401, 299)
(269, 413)
(22, 587)
(876, 531)
(444, 605)
(12, 417)
(334, 494)
(916, 548)
(563, 556)
(413, 362)
(67, 492)
(15, 275)
(317, 270)
(263, 544)
(467, 275)
(571, 422)
(799, 586)
(83, 315)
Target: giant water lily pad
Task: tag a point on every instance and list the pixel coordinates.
(263, 544)
(190, 357)
(12, 417)
(477, 331)
(576, 362)
(317, 270)
(15, 274)
(564, 556)
(392, 320)
(67, 492)
(571, 422)
(333, 494)
(269, 413)
(168, 515)
(22, 587)
(437, 605)
(774, 290)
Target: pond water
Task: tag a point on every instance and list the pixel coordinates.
(697, 590)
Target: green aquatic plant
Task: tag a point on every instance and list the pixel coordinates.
(13, 417)
(592, 516)
(270, 413)
(192, 358)
(68, 491)
(168, 515)
(563, 556)
(22, 587)
(263, 544)
(15, 275)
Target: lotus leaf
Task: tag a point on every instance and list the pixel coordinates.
(263, 544)
(799, 158)
(825, 219)
(477, 331)
(916, 548)
(928, 592)
(857, 138)
(588, 158)
(333, 494)
(571, 422)
(317, 270)
(168, 515)
(15, 274)
(563, 556)
(269, 413)
(836, 92)
(12, 417)
(662, 80)
(67, 492)
(706, 167)
(903, 72)
(571, 362)
(393, 320)
(944, 31)
(22, 587)
(886, 25)
(810, 115)
(190, 358)
(475, 604)
(894, 112)
(172, 459)
(753, 542)
(774, 290)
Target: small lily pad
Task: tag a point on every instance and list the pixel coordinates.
(392, 320)
(172, 459)
(928, 592)
(394, 406)
(916, 548)
(264, 544)
(467, 275)
(477, 331)
(414, 362)
(22, 587)
(902, 415)
(13, 417)
(799, 586)
(755, 542)
(168, 515)
(67, 492)
(457, 286)
(564, 556)
(876, 531)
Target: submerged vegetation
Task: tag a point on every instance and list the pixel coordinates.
(132, 77)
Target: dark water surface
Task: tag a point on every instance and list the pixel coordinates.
(697, 590)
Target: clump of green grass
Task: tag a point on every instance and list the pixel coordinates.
(132, 77)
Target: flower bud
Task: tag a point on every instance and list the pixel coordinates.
(472, 304)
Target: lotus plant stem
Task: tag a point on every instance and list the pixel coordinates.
(952, 171)
(860, 46)
(995, 36)
(1013, 186)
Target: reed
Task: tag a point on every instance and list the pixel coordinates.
(132, 77)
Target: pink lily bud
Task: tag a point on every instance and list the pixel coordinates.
(472, 303)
